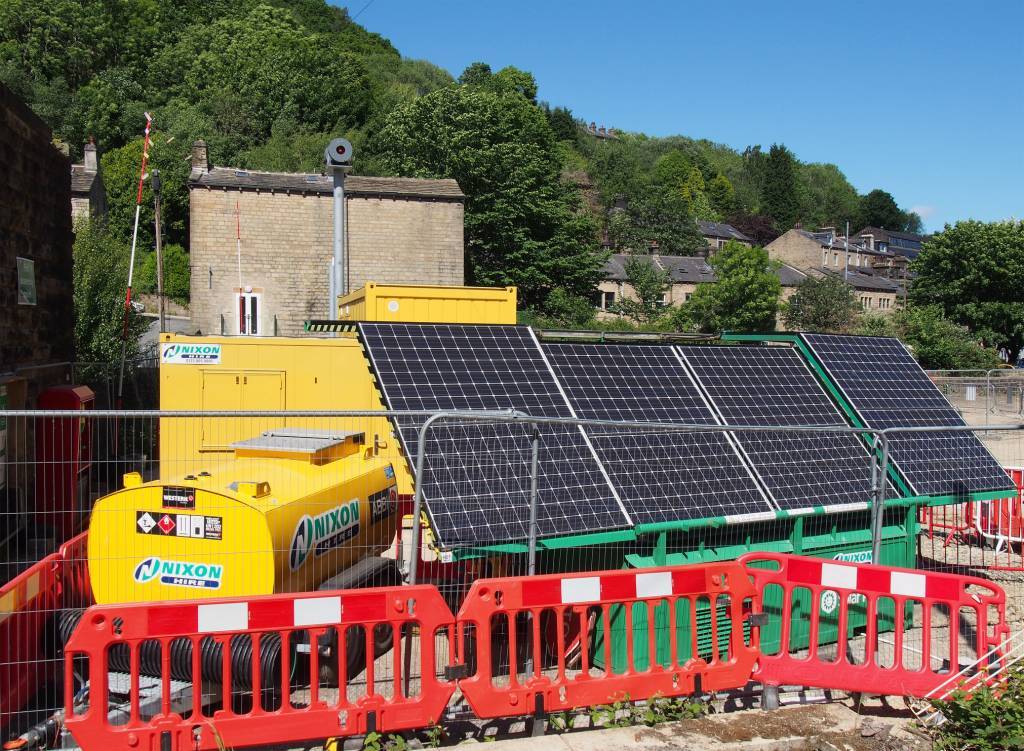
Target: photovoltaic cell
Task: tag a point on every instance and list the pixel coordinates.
(773, 386)
(660, 475)
(887, 388)
(476, 482)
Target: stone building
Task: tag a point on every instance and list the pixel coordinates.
(878, 276)
(685, 272)
(717, 234)
(88, 195)
(400, 231)
(37, 317)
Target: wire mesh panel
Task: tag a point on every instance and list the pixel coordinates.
(476, 477)
(887, 387)
(661, 475)
(772, 386)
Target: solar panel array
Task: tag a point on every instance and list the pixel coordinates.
(773, 386)
(887, 388)
(660, 475)
(477, 474)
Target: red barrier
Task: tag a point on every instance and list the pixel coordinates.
(251, 660)
(533, 637)
(27, 605)
(934, 619)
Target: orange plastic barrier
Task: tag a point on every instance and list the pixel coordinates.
(533, 637)
(253, 645)
(27, 604)
(930, 629)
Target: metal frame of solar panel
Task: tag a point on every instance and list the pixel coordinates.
(887, 388)
(771, 385)
(477, 474)
(661, 475)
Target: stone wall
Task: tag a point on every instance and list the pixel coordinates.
(287, 241)
(35, 223)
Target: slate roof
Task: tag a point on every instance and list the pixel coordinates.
(686, 269)
(356, 185)
(839, 243)
(867, 282)
(885, 234)
(81, 179)
(725, 231)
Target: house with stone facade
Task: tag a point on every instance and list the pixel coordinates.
(878, 276)
(400, 231)
(37, 313)
(88, 194)
(685, 272)
(900, 243)
(717, 234)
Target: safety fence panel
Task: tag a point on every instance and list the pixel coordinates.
(240, 672)
(921, 628)
(564, 641)
(982, 536)
(27, 605)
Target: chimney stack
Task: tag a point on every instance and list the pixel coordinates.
(90, 156)
(200, 158)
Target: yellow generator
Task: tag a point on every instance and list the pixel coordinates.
(294, 509)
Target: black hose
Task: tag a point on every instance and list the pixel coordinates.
(211, 657)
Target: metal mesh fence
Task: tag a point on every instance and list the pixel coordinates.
(120, 507)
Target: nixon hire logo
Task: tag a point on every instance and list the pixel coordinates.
(324, 531)
(204, 354)
(179, 573)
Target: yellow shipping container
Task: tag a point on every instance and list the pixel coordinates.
(407, 303)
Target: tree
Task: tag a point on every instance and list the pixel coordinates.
(100, 275)
(176, 273)
(562, 123)
(939, 343)
(828, 197)
(650, 284)
(744, 297)
(759, 227)
(974, 272)
(656, 215)
(697, 199)
(722, 195)
(821, 303)
(523, 225)
(673, 169)
(879, 209)
(779, 196)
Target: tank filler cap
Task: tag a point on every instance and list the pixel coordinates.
(131, 480)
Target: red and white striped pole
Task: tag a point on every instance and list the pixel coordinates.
(131, 260)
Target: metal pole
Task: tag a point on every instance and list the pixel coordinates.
(157, 185)
(531, 568)
(878, 507)
(340, 262)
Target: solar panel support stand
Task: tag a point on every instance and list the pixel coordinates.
(879, 471)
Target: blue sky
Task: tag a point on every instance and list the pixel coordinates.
(923, 99)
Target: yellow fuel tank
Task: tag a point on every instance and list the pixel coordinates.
(291, 509)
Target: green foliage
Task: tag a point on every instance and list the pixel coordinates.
(562, 123)
(100, 270)
(176, 273)
(745, 296)
(565, 310)
(616, 714)
(779, 196)
(879, 209)
(989, 718)
(876, 324)
(656, 215)
(435, 736)
(827, 198)
(523, 225)
(821, 303)
(939, 343)
(975, 273)
(650, 284)
(722, 195)
(506, 80)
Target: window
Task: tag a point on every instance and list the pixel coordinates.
(249, 313)
(687, 296)
(664, 298)
(884, 303)
(604, 300)
(26, 281)
(835, 259)
(865, 302)
(824, 257)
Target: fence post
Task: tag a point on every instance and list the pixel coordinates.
(534, 465)
(881, 461)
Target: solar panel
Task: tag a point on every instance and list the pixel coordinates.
(476, 481)
(773, 386)
(660, 475)
(887, 388)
